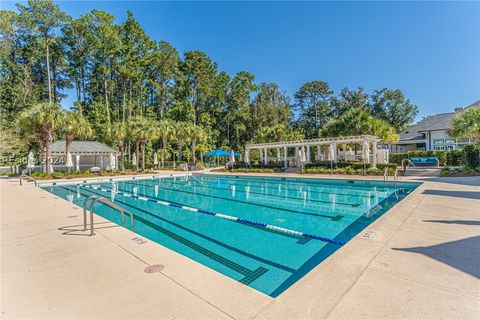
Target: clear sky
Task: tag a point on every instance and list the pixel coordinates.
(429, 50)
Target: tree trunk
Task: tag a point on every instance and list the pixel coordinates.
(48, 76)
(137, 153)
(68, 143)
(194, 148)
(49, 150)
(143, 155)
(164, 145)
(106, 100)
(121, 145)
(180, 147)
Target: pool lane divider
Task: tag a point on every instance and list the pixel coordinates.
(218, 215)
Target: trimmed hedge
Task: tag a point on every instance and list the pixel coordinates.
(398, 157)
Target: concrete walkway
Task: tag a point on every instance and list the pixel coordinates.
(422, 263)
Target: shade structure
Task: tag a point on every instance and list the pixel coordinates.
(134, 160)
(331, 153)
(365, 152)
(155, 159)
(69, 162)
(30, 160)
(113, 163)
(232, 156)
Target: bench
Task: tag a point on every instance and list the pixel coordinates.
(424, 162)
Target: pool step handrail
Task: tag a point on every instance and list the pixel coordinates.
(395, 175)
(23, 175)
(385, 175)
(95, 199)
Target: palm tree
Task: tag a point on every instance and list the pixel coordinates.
(467, 124)
(166, 131)
(359, 122)
(43, 120)
(144, 131)
(182, 130)
(196, 133)
(119, 133)
(75, 126)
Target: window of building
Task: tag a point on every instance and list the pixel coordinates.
(439, 148)
(438, 141)
(447, 141)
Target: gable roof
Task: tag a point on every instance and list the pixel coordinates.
(442, 121)
(83, 147)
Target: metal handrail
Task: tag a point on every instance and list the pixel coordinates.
(385, 175)
(395, 176)
(108, 203)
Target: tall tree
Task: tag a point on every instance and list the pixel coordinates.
(119, 133)
(162, 64)
(350, 99)
(199, 73)
(391, 106)
(104, 39)
(43, 19)
(313, 105)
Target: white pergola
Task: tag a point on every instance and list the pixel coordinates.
(322, 145)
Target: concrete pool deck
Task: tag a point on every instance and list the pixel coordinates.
(423, 262)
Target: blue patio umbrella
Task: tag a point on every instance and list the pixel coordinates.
(220, 153)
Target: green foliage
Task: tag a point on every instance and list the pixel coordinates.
(119, 74)
(397, 157)
(454, 158)
(471, 156)
(357, 121)
(467, 124)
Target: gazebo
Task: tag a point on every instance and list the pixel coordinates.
(339, 144)
(85, 154)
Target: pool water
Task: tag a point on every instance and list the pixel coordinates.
(265, 232)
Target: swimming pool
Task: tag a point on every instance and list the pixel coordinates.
(265, 232)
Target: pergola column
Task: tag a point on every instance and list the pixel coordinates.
(335, 152)
(266, 156)
(261, 154)
(319, 151)
(101, 162)
(285, 160)
(308, 153)
(344, 147)
(278, 155)
(247, 155)
(296, 156)
(374, 150)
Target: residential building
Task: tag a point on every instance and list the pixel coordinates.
(431, 133)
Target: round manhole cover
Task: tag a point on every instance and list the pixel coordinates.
(154, 268)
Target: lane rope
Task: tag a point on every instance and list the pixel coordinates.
(218, 215)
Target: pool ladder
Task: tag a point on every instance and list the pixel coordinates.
(27, 176)
(385, 175)
(96, 199)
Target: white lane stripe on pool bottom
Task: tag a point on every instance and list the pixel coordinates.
(218, 215)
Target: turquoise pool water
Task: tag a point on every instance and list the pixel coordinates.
(264, 232)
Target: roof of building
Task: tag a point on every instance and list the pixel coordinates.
(83, 147)
(442, 121)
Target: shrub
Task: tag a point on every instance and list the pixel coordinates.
(471, 156)
(397, 157)
(455, 158)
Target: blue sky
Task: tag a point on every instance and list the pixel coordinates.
(429, 50)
